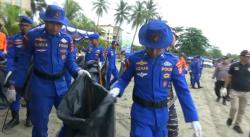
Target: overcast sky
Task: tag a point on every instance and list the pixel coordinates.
(225, 23)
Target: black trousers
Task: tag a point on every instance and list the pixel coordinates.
(173, 128)
(218, 85)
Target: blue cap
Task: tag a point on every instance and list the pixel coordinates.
(94, 36)
(114, 42)
(155, 34)
(26, 19)
(54, 13)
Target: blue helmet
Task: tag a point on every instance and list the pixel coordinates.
(26, 19)
(156, 34)
(94, 36)
(54, 13)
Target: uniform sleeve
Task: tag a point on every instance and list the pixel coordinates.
(124, 80)
(184, 96)
(102, 58)
(10, 55)
(216, 72)
(70, 62)
(231, 70)
(28, 45)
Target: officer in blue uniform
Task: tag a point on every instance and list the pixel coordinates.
(112, 69)
(153, 69)
(52, 55)
(94, 51)
(195, 68)
(17, 65)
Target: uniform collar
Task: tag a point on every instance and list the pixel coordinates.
(57, 35)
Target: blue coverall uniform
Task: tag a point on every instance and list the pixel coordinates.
(112, 69)
(152, 77)
(51, 55)
(195, 67)
(94, 53)
(17, 64)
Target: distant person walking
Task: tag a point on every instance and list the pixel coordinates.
(220, 73)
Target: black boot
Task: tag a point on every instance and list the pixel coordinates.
(28, 121)
(199, 86)
(13, 122)
(238, 129)
(218, 99)
(224, 101)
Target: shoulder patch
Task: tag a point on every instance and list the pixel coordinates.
(63, 40)
(167, 64)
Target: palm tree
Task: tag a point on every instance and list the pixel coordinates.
(137, 17)
(37, 6)
(151, 12)
(72, 9)
(100, 6)
(122, 14)
(9, 14)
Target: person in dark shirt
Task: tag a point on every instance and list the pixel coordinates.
(239, 76)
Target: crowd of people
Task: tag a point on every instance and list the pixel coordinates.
(45, 58)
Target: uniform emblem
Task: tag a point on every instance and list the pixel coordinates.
(19, 46)
(167, 64)
(63, 40)
(57, 14)
(236, 68)
(40, 39)
(141, 68)
(166, 75)
(63, 57)
(98, 51)
(166, 69)
(141, 62)
(141, 74)
(63, 51)
(164, 83)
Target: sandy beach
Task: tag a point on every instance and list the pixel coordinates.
(213, 115)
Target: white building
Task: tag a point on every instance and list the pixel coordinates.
(110, 32)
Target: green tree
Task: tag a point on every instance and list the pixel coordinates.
(193, 42)
(100, 6)
(72, 9)
(9, 14)
(215, 52)
(151, 11)
(137, 17)
(122, 14)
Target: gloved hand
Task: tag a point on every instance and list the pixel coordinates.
(100, 65)
(197, 128)
(223, 92)
(114, 92)
(10, 95)
(82, 71)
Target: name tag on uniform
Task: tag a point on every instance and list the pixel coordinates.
(248, 69)
(236, 68)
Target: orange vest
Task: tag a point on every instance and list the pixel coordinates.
(181, 64)
(3, 42)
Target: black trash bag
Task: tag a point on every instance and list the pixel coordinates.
(87, 110)
(93, 68)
